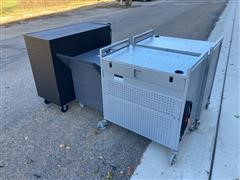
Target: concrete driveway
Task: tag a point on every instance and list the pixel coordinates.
(38, 141)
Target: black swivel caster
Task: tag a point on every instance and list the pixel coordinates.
(46, 101)
(173, 158)
(102, 124)
(64, 108)
(208, 103)
(195, 125)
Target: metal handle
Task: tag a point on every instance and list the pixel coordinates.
(142, 36)
(201, 58)
(114, 47)
(204, 55)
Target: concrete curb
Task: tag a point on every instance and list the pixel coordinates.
(229, 38)
(195, 154)
(226, 159)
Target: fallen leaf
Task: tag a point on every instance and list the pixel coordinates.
(100, 157)
(62, 145)
(129, 170)
(109, 175)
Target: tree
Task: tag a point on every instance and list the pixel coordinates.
(127, 2)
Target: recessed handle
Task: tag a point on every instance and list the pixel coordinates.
(136, 71)
(118, 77)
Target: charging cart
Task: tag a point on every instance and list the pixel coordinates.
(149, 91)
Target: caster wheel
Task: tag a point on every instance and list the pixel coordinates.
(197, 124)
(64, 108)
(46, 101)
(194, 126)
(82, 105)
(172, 159)
(102, 124)
(207, 105)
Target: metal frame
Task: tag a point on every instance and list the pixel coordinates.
(114, 47)
(149, 34)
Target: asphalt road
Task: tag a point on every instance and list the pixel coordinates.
(38, 141)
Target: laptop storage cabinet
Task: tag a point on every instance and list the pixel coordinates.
(151, 92)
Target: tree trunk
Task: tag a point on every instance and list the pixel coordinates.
(128, 3)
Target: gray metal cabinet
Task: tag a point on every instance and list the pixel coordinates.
(151, 92)
(86, 73)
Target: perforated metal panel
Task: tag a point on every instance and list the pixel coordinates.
(151, 114)
(153, 100)
(152, 124)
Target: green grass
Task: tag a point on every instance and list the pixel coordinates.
(16, 10)
(8, 5)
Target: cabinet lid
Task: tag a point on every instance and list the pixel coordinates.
(67, 30)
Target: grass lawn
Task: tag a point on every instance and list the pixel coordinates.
(16, 10)
(8, 6)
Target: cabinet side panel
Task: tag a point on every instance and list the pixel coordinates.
(42, 68)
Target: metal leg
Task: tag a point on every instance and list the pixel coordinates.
(82, 105)
(194, 125)
(102, 124)
(206, 106)
(173, 157)
(64, 108)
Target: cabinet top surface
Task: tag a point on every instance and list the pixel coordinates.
(90, 56)
(153, 59)
(64, 31)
